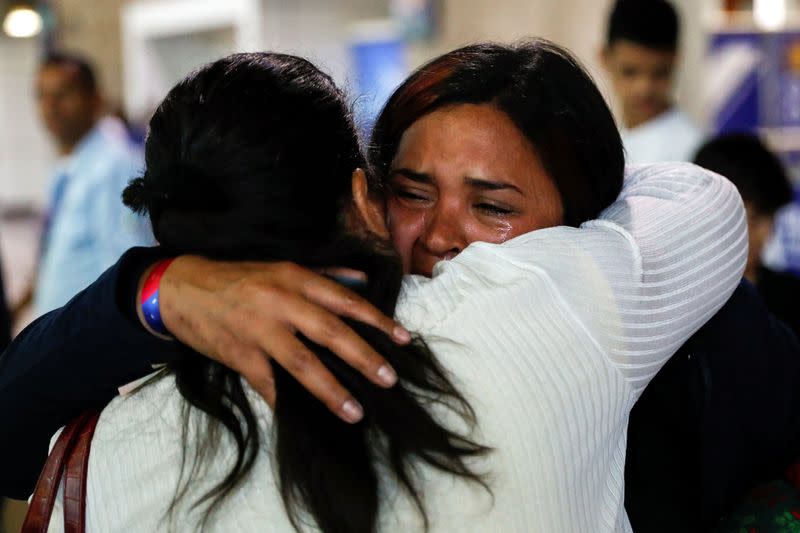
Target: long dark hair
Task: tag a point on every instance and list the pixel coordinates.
(250, 158)
(546, 93)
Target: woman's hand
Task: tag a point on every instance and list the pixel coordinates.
(243, 314)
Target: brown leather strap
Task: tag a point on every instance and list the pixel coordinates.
(75, 474)
(37, 519)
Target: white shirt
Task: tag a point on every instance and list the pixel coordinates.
(670, 136)
(782, 251)
(551, 336)
(89, 226)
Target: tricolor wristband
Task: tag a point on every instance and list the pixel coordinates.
(150, 301)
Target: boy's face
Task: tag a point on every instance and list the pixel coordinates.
(759, 230)
(642, 79)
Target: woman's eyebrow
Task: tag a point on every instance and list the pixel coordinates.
(489, 185)
(419, 177)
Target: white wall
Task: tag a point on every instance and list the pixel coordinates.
(576, 24)
(694, 43)
(26, 158)
(163, 40)
(318, 29)
(25, 151)
(161, 43)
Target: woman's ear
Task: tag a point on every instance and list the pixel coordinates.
(368, 208)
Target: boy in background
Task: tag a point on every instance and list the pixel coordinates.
(764, 185)
(640, 56)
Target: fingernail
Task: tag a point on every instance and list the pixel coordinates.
(402, 334)
(387, 375)
(353, 412)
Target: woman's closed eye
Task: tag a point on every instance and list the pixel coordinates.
(494, 209)
(412, 195)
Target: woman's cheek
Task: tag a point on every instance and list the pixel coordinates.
(495, 231)
(405, 227)
(504, 231)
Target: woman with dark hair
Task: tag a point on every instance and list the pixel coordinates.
(220, 183)
(549, 98)
(550, 336)
(469, 118)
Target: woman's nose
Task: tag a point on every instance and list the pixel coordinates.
(444, 235)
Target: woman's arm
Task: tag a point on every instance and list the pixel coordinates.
(659, 262)
(748, 417)
(688, 231)
(76, 357)
(723, 414)
(242, 314)
(65, 362)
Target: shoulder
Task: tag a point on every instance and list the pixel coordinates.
(746, 331)
(685, 133)
(106, 158)
(668, 174)
(498, 285)
(669, 137)
(679, 118)
(156, 405)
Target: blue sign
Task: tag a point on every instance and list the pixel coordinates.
(379, 66)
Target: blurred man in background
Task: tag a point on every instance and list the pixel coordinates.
(86, 226)
(782, 252)
(640, 56)
(764, 185)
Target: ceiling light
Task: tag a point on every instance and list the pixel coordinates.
(22, 22)
(769, 15)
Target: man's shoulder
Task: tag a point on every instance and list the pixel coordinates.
(679, 120)
(106, 156)
(739, 314)
(671, 136)
(745, 326)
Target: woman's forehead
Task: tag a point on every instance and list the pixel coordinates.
(467, 140)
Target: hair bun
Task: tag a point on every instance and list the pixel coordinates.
(137, 196)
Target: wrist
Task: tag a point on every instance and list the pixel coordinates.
(149, 299)
(187, 279)
(188, 286)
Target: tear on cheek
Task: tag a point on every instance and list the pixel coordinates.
(504, 232)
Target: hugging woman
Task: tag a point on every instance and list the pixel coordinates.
(557, 290)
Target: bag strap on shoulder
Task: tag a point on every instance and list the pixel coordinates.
(70, 454)
(75, 475)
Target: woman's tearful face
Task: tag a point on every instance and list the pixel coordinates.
(462, 174)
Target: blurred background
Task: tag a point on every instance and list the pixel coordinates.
(739, 69)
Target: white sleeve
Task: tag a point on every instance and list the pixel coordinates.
(657, 264)
(688, 232)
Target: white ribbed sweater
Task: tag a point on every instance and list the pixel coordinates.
(552, 336)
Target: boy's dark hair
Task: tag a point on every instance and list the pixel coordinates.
(649, 23)
(757, 173)
(83, 68)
